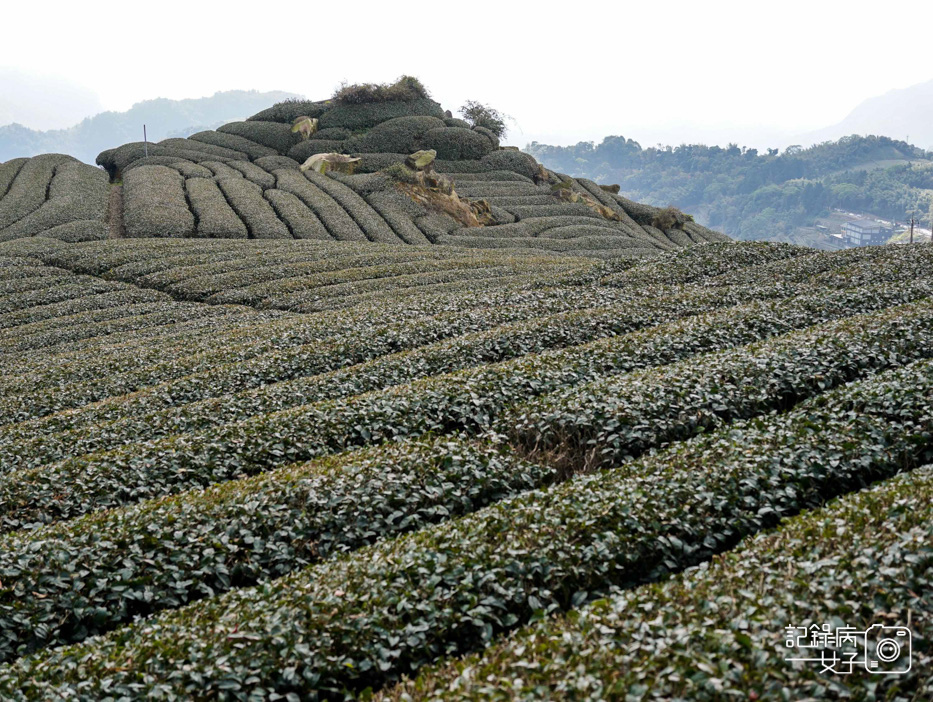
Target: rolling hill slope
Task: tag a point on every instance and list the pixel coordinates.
(276, 434)
(245, 181)
(291, 453)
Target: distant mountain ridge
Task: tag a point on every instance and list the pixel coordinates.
(899, 114)
(163, 118)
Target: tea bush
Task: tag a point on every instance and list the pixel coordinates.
(387, 610)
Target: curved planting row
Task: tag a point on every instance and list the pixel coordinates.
(386, 610)
(154, 558)
(773, 376)
(731, 618)
(136, 373)
(55, 196)
(510, 305)
(151, 411)
(195, 486)
(470, 400)
(609, 420)
(266, 151)
(291, 348)
(294, 378)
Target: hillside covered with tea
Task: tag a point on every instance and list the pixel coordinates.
(246, 181)
(490, 433)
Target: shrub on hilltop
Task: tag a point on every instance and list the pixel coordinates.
(477, 114)
(406, 88)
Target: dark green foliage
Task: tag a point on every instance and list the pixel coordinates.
(456, 122)
(608, 421)
(365, 619)
(222, 170)
(372, 224)
(455, 144)
(355, 117)
(508, 200)
(288, 110)
(502, 160)
(212, 150)
(254, 173)
(116, 160)
(700, 263)
(257, 214)
(406, 88)
(729, 633)
(678, 236)
(309, 513)
(704, 233)
(27, 191)
(594, 229)
(274, 163)
(659, 237)
(169, 161)
(184, 167)
(435, 226)
(486, 117)
(362, 183)
(757, 196)
(489, 134)
(154, 203)
(370, 163)
(232, 141)
(470, 400)
(557, 209)
(302, 151)
(271, 134)
(393, 208)
(215, 218)
(500, 215)
(332, 134)
(8, 173)
(399, 135)
(492, 177)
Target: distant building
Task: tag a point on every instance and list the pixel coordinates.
(865, 234)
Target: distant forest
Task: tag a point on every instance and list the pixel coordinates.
(752, 195)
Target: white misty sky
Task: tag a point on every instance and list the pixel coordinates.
(652, 71)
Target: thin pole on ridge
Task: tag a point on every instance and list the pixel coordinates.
(145, 142)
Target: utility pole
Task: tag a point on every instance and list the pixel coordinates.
(911, 230)
(145, 142)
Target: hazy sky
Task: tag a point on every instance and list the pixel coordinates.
(653, 71)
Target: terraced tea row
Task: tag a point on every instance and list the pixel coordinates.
(601, 360)
(609, 420)
(366, 618)
(78, 579)
(722, 627)
(53, 196)
(868, 342)
(135, 372)
(253, 180)
(198, 402)
(470, 400)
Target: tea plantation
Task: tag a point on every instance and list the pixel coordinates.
(272, 433)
